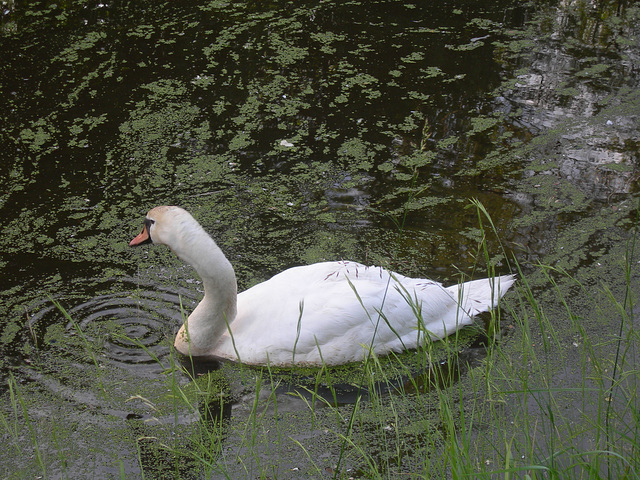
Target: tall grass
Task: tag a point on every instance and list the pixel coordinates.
(555, 398)
(15, 423)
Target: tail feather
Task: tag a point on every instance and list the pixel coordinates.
(478, 296)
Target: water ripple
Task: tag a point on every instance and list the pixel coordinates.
(131, 329)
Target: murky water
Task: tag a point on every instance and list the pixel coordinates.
(294, 133)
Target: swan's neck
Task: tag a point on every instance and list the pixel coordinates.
(213, 315)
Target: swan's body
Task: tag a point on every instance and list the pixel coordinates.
(330, 312)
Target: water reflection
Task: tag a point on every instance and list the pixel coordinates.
(568, 91)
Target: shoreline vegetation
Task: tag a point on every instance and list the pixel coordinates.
(549, 398)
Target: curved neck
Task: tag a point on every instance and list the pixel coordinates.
(213, 315)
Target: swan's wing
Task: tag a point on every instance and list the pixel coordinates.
(336, 308)
(333, 312)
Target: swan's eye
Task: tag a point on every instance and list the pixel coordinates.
(147, 226)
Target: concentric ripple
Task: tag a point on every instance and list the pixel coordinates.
(132, 328)
(136, 326)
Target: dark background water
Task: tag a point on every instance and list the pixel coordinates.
(294, 133)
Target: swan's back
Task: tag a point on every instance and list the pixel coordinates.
(331, 312)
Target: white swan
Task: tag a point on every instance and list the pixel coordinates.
(330, 312)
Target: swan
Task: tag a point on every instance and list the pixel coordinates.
(325, 313)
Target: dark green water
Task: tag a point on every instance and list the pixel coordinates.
(294, 133)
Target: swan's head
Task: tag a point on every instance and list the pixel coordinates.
(165, 226)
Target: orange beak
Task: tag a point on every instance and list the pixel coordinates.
(143, 237)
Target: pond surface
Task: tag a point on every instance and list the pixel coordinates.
(294, 134)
